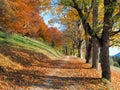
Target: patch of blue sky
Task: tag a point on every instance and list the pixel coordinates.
(48, 16)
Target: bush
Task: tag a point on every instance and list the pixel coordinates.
(119, 62)
(111, 60)
(116, 64)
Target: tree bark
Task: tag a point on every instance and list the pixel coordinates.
(79, 52)
(104, 41)
(104, 44)
(79, 48)
(104, 56)
(66, 50)
(71, 51)
(73, 48)
(88, 51)
(95, 44)
(95, 55)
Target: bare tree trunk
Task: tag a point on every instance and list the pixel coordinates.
(88, 51)
(79, 52)
(86, 46)
(71, 51)
(104, 44)
(104, 56)
(66, 50)
(79, 49)
(95, 55)
(73, 47)
(95, 44)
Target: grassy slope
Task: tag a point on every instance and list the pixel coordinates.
(27, 43)
(17, 52)
(115, 68)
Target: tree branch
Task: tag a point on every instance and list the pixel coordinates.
(114, 32)
(86, 25)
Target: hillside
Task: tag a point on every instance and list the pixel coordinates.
(18, 53)
(20, 42)
(117, 55)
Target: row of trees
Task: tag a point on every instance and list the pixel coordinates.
(96, 22)
(53, 36)
(91, 23)
(23, 16)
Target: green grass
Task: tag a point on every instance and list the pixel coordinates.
(27, 43)
(115, 68)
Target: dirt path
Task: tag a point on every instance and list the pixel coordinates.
(70, 73)
(65, 73)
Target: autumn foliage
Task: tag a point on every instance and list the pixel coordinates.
(53, 35)
(22, 16)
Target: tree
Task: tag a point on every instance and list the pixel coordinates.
(67, 44)
(119, 62)
(53, 36)
(95, 42)
(75, 34)
(104, 44)
(17, 15)
(84, 8)
(88, 55)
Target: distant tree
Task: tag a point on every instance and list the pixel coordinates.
(53, 44)
(53, 36)
(76, 35)
(119, 61)
(116, 64)
(111, 60)
(23, 16)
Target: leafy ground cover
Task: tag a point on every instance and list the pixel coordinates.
(65, 73)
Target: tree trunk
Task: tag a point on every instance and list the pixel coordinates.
(53, 44)
(86, 46)
(95, 55)
(66, 50)
(71, 51)
(104, 44)
(95, 44)
(79, 52)
(73, 47)
(79, 49)
(104, 57)
(88, 51)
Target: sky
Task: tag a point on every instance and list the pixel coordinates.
(114, 51)
(47, 17)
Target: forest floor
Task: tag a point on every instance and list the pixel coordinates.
(64, 73)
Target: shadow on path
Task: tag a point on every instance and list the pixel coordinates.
(66, 64)
(38, 79)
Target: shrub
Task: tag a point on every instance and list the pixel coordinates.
(116, 64)
(111, 60)
(119, 62)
